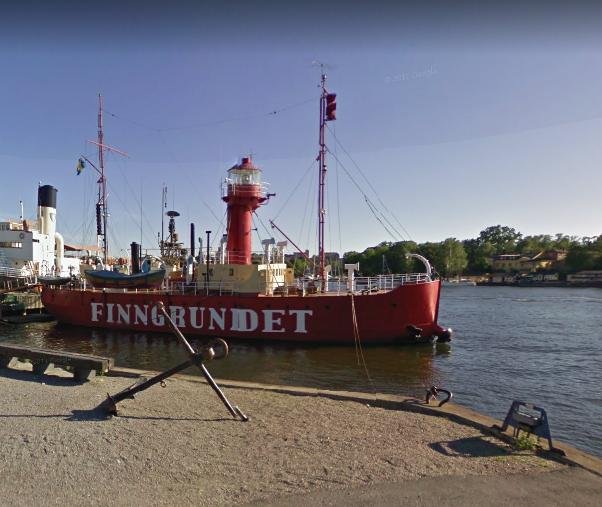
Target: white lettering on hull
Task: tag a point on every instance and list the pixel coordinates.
(271, 322)
(123, 314)
(244, 320)
(217, 318)
(141, 315)
(177, 315)
(96, 311)
(156, 318)
(193, 310)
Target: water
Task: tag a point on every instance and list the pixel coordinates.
(540, 345)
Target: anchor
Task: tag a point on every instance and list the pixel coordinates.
(196, 358)
(434, 392)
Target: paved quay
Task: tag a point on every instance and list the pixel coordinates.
(179, 446)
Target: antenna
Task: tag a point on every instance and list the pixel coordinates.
(323, 66)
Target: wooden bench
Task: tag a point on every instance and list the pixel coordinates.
(84, 366)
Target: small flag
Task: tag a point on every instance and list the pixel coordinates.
(80, 166)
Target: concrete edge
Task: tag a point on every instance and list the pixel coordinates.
(452, 411)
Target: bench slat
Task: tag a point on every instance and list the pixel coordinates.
(74, 359)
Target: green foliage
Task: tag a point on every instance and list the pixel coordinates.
(525, 442)
(299, 266)
(503, 238)
(456, 259)
(585, 256)
(384, 258)
(478, 255)
(473, 256)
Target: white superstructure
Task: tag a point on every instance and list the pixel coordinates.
(34, 248)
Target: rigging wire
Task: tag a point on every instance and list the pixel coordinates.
(138, 201)
(268, 231)
(371, 205)
(310, 208)
(160, 131)
(272, 112)
(374, 212)
(177, 162)
(368, 182)
(307, 171)
(338, 198)
(125, 208)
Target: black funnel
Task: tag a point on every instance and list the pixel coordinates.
(47, 196)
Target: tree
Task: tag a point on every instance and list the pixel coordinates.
(503, 238)
(579, 258)
(299, 266)
(534, 244)
(396, 258)
(564, 242)
(478, 256)
(455, 257)
(435, 253)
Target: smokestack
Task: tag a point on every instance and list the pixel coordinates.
(135, 256)
(47, 210)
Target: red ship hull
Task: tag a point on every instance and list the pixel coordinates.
(378, 318)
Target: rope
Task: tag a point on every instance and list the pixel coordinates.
(359, 352)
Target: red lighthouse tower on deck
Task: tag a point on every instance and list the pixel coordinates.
(244, 194)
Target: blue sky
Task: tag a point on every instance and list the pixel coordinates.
(457, 119)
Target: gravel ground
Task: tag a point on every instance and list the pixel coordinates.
(179, 445)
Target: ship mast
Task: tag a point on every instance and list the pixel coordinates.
(327, 113)
(101, 203)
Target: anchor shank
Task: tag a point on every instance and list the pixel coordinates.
(216, 388)
(176, 330)
(130, 391)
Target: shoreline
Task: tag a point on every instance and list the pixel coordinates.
(179, 445)
(451, 410)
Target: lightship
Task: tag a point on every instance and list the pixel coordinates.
(229, 294)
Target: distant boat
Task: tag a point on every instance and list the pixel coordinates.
(54, 280)
(116, 280)
(34, 248)
(457, 282)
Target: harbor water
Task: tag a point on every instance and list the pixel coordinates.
(539, 345)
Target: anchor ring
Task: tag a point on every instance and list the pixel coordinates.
(434, 392)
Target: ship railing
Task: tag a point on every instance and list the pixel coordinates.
(388, 282)
(363, 284)
(200, 288)
(8, 272)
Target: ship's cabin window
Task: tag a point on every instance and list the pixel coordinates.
(11, 244)
(231, 271)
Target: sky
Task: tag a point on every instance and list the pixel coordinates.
(451, 117)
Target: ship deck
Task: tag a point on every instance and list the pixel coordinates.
(361, 286)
